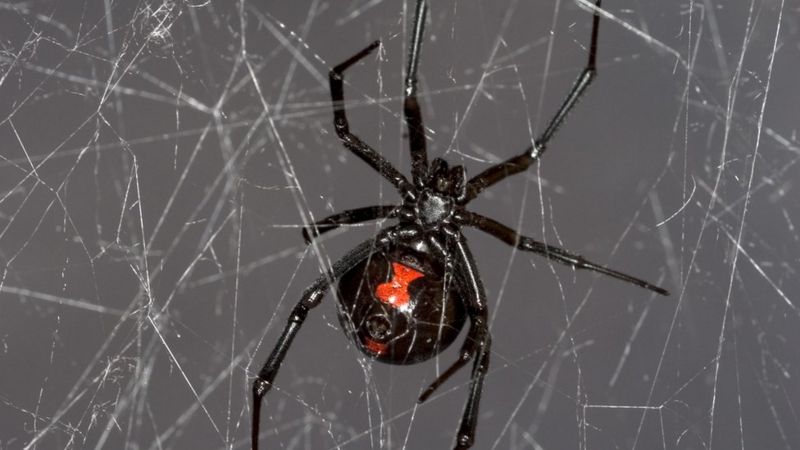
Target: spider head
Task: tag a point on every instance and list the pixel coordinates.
(446, 180)
(443, 188)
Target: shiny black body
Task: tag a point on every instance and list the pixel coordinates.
(412, 333)
(427, 239)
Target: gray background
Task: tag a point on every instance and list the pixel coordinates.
(158, 160)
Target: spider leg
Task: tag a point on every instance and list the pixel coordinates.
(530, 155)
(476, 305)
(467, 352)
(512, 238)
(350, 216)
(476, 346)
(350, 140)
(311, 298)
(411, 111)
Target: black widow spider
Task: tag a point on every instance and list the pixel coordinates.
(405, 294)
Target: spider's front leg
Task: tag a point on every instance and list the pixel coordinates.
(310, 299)
(350, 140)
(530, 155)
(411, 111)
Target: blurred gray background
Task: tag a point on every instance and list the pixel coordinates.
(157, 160)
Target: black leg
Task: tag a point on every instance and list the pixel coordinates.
(311, 298)
(347, 217)
(411, 111)
(531, 154)
(478, 314)
(469, 420)
(350, 140)
(475, 338)
(476, 346)
(513, 239)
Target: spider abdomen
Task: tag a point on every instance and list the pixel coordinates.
(397, 309)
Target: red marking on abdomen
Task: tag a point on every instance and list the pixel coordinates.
(374, 346)
(395, 291)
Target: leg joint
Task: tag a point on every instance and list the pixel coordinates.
(299, 313)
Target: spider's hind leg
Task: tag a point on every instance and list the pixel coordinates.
(263, 382)
(477, 345)
(310, 299)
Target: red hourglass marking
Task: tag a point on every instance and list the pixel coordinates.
(395, 291)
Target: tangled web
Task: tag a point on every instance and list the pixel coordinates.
(158, 159)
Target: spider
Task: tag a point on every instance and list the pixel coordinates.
(405, 294)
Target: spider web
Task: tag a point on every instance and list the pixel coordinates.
(158, 159)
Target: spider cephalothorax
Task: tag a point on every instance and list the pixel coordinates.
(436, 201)
(406, 293)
